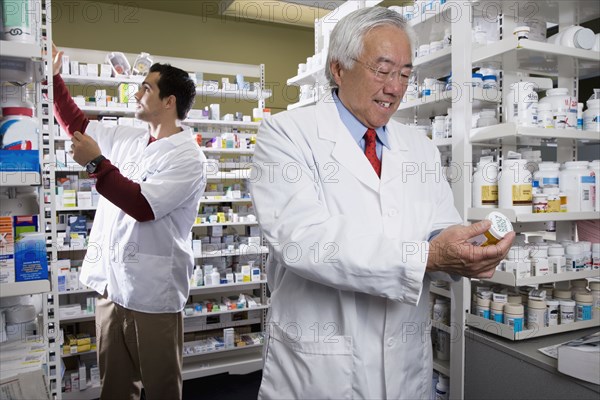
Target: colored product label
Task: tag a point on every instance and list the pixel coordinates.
(588, 179)
(522, 195)
(584, 312)
(498, 317)
(554, 205)
(489, 195)
(550, 181)
(483, 313)
(516, 323)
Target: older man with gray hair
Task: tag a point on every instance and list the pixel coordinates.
(355, 239)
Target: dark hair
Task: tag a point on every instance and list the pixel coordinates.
(176, 82)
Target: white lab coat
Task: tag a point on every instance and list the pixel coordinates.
(146, 266)
(349, 313)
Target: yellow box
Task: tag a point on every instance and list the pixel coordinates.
(83, 339)
(83, 348)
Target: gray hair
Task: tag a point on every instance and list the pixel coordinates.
(347, 37)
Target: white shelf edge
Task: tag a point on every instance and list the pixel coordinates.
(108, 110)
(211, 122)
(421, 61)
(440, 291)
(242, 364)
(101, 80)
(238, 174)
(220, 325)
(307, 77)
(23, 178)
(226, 151)
(302, 103)
(62, 209)
(442, 142)
(478, 214)
(225, 224)
(20, 50)
(225, 200)
(24, 288)
(509, 279)
(261, 307)
(78, 291)
(241, 94)
(77, 354)
(225, 287)
(236, 253)
(223, 350)
(442, 366)
(77, 318)
(507, 332)
(511, 130)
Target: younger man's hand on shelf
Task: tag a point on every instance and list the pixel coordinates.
(84, 149)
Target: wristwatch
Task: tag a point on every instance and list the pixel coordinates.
(92, 166)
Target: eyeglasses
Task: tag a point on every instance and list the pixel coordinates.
(383, 73)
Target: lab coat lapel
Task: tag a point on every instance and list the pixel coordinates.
(394, 161)
(345, 150)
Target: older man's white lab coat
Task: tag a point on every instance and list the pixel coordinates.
(349, 313)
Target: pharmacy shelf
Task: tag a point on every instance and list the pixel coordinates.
(209, 150)
(70, 168)
(222, 199)
(442, 142)
(309, 77)
(23, 288)
(510, 133)
(539, 57)
(227, 287)
(441, 326)
(437, 64)
(19, 179)
(101, 81)
(441, 366)
(439, 102)
(118, 111)
(224, 253)
(478, 214)
(253, 95)
(237, 310)
(440, 291)
(226, 224)
(303, 103)
(507, 332)
(222, 350)
(509, 278)
(200, 91)
(77, 354)
(69, 248)
(61, 209)
(188, 327)
(234, 364)
(78, 291)
(77, 318)
(20, 50)
(230, 175)
(92, 392)
(210, 122)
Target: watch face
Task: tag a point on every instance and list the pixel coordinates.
(90, 167)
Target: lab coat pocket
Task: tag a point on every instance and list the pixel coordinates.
(151, 282)
(307, 367)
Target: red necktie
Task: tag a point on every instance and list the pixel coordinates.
(371, 150)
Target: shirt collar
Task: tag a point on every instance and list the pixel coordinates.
(355, 127)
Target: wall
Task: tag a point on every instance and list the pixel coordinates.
(99, 26)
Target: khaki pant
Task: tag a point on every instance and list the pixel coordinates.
(135, 349)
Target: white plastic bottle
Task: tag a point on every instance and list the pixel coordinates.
(515, 186)
(595, 256)
(19, 130)
(559, 98)
(442, 391)
(575, 258)
(448, 124)
(485, 184)
(557, 262)
(576, 183)
(521, 104)
(545, 115)
(591, 116)
(547, 175)
(142, 64)
(578, 37)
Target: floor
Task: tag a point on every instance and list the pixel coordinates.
(223, 387)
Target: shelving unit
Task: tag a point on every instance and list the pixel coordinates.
(33, 56)
(242, 359)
